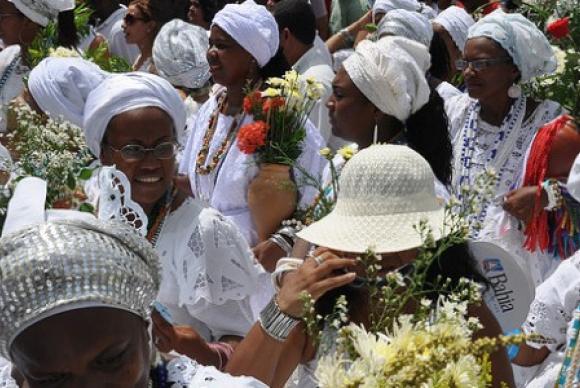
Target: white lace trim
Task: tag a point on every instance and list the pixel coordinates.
(115, 201)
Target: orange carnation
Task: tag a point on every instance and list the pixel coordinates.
(252, 136)
(273, 103)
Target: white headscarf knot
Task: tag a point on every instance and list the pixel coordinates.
(391, 74)
(253, 27)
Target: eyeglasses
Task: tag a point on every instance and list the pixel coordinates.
(135, 152)
(481, 64)
(131, 19)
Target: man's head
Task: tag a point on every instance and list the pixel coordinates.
(297, 25)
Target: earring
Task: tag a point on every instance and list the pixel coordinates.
(515, 91)
(376, 134)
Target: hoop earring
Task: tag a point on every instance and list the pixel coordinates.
(514, 91)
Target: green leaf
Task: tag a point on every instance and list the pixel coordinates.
(87, 208)
(86, 174)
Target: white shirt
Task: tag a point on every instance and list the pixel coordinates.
(226, 187)
(446, 90)
(111, 29)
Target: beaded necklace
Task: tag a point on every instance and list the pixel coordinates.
(201, 167)
(497, 154)
(155, 230)
(8, 72)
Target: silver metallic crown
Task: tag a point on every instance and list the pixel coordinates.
(59, 266)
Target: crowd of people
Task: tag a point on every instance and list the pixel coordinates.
(169, 282)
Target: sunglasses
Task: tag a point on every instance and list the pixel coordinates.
(481, 64)
(132, 19)
(135, 152)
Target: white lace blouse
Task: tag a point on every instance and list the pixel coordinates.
(226, 188)
(209, 273)
(181, 372)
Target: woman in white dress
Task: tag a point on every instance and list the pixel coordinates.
(132, 122)
(83, 319)
(493, 125)
(244, 52)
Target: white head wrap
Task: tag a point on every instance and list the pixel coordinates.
(523, 41)
(456, 21)
(408, 24)
(60, 86)
(125, 92)
(386, 6)
(427, 11)
(43, 12)
(253, 27)
(179, 54)
(391, 74)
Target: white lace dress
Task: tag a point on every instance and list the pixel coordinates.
(181, 372)
(226, 187)
(209, 273)
(478, 145)
(551, 315)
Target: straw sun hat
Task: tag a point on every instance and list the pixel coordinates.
(385, 190)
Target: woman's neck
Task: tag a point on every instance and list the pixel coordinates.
(235, 97)
(494, 112)
(388, 131)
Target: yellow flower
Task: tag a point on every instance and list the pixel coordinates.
(347, 152)
(324, 152)
(62, 52)
(275, 81)
(271, 92)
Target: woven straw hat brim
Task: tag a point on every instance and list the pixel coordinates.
(382, 233)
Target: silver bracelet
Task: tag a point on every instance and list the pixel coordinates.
(274, 322)
(281, 243)
(347, 37)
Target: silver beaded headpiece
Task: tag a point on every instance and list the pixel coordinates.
(66, 265)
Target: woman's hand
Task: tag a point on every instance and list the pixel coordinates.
(167, 337)
(521, 203)
(319, 274)
(268, 253)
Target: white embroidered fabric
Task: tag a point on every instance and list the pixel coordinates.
(457, 109)
(226, 188)
(552, 310)
(208, 269)
(115, 201)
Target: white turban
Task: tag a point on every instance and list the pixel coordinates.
(43, 11)
(386, 6)
(253, 27)
(391, 74)
(125, 92)
(60, 86)
(179, 54)
(408, 24)
(456, 21)
(523, 41)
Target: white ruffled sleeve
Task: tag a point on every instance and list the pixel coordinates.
(554, 305)
(211, 270)
(183, 372)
